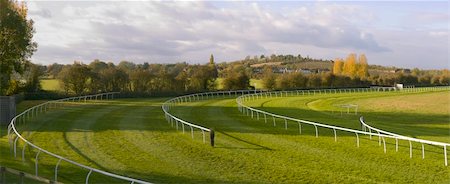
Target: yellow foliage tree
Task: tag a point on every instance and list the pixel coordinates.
(363, 67)
(337, 67)
(350, 67)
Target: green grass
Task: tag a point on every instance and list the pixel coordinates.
(51, 85)
(131, 137)
(258, 82)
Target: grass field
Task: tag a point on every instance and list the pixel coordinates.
(257, 83)
(131, 137)
(51, 85)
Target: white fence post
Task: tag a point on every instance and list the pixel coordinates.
(56, 170)
(335, 136)
(36, 162)
(87, 177)
(445, 155)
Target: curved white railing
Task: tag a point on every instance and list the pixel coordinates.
(369, 128)
(166, 107)
(249, 111)
(33, 111)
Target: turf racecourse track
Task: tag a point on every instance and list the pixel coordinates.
(261, 137)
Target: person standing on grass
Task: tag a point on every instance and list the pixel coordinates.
(211, 135)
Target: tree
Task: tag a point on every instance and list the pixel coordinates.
(97, 65)
(213, 74)
(139, 79)
(16, 44)
(337, 66)
(350, 67)
(75, 78)
(269, 78)
(31, 77)
(211, 60)
(363, 67)
(114, 79)
(201, 77)
(314, 81)
(236, 78)
(54, 69)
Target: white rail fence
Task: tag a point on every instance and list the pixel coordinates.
(14, 136)
(382, 135)
(177, 122)
(423, 142)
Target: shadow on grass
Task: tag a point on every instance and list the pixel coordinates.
(244, 141)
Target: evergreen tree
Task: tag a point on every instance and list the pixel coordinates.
(211, 60)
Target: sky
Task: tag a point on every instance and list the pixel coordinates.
(402, 33)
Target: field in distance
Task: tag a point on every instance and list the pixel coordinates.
(132, 138)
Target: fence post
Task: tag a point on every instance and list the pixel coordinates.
(396, 144)
(56, 170)
(379, 139)
(203, 132)
(317, 131)
(335, 137)
(410, 149)
(23, 152)
(21, 177)
(182, 125)
(300, 127)
(15, 146)
(36, 161)
(357, 140)
(423, 151)
(445, 155)
(87, 177)
(2, 175)
(285, 123)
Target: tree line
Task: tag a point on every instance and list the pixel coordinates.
(99, 76)
(353, 72)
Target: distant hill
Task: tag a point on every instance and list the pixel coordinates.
(286, 62)
(297, 63)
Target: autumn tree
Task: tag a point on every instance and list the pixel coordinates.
(350, 67)
(363, 67)
(16, 44)
(337, 66)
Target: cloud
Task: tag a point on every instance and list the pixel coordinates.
(178, 31)
(438, 33)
